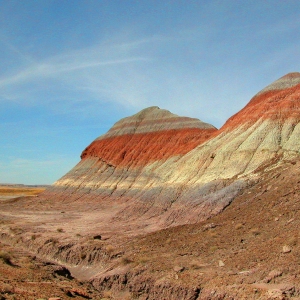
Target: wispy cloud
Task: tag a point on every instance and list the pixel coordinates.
(94, 57)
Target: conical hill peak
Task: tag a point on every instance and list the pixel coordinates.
(287, 81)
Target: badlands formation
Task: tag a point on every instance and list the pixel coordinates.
(172, 170)
(169, 207)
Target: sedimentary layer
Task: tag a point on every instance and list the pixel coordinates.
(173, 170)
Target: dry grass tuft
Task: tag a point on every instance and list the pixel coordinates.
(125, 261)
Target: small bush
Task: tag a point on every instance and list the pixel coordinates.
(107, 294)
(213, 248)
(109, 249)
(168, 241)
(83, 255)
(213, 234)
(53, 240)
(60, 230)
(195, 266)
(5, 257)
(126, 261)
(292, 241)
(143, 260)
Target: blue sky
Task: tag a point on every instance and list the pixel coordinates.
(70, 69)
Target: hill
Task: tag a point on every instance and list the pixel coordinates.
(169, 207)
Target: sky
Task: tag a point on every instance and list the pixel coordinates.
(70, 69)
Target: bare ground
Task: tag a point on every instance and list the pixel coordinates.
(249, 251)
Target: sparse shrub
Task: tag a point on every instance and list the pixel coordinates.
(16, 230)
(213, 234)
(213, 248)
(168, 241)
(33, 237)
(83, 255)
(78, 234)
(125, 260)
(195, 266)
(292, 241)
(107, 294)
(60, 230)
(5, 257)
(109, 249)
(143, 260)
(53, 240)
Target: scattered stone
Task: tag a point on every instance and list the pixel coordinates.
(275, 294)
(274, 289)
(210, 226)
(178, 269)
(221, 263)
(79, 292)
(247, 272)
(276, 219)
(286, 249)
(281, 291)
(273, 274)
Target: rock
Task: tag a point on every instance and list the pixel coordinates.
(284, 287)
(286, 249)
(210, 226)
(79, 292)
(178, 269)
(273, 274)
(275, 294)
(221, 263)
(281, 291)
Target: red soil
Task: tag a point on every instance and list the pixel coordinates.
(277, 105)
(141, 149)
